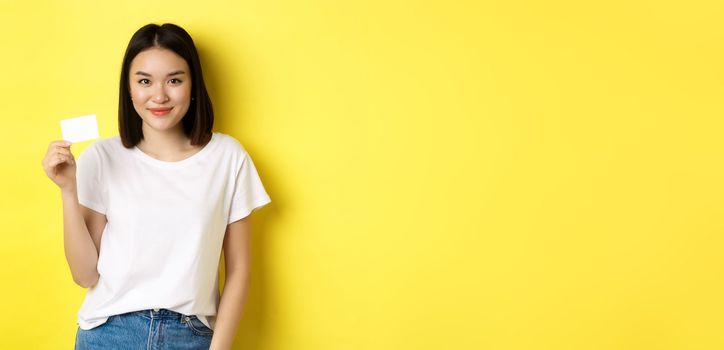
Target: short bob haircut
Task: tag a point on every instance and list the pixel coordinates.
(199, 119)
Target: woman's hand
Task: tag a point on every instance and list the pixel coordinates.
(59, 165)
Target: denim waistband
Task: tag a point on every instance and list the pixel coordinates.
(159, 313)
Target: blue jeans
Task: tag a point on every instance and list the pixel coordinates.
(146, 329)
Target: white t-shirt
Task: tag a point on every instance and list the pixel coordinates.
(166, 223)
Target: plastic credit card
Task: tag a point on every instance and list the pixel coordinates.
(80, 128)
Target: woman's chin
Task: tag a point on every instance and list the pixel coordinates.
(161, 126)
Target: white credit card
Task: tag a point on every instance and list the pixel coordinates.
(79, 129)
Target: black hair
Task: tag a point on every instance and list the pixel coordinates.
(199, 118)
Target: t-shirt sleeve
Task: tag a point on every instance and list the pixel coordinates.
(249, 193)
(88, 180)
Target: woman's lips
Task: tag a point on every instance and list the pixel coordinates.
(160, 111)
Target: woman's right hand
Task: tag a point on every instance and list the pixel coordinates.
(59, 164)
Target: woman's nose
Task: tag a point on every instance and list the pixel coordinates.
(160, 96)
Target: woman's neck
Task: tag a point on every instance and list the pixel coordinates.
(170, 145)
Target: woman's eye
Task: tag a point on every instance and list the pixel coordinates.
(176, 81)
(143, 81)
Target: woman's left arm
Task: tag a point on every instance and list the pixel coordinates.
(236, 260)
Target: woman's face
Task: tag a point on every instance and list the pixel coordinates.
(160, 85)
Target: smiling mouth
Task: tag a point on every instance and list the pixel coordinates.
(160, 111)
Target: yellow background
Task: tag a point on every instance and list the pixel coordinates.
(444, 174)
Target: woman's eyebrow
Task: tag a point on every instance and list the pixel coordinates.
(169, 74)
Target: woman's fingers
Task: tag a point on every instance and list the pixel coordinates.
(55, 148)
(63, 150)
(59, 144)
(63, 143)
(57, 155)
(66, 158)
(57, 158)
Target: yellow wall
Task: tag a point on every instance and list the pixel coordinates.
(444, 174)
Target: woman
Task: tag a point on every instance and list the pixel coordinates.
(147, 213)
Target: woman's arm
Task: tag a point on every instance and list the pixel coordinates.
(236, 260)
(82, 229)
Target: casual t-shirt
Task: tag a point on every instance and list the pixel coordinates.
(166, 224)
